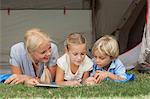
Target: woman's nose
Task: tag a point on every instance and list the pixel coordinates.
(48, 53)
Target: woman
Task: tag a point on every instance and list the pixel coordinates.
(29, 58)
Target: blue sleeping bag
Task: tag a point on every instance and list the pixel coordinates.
(4, 77)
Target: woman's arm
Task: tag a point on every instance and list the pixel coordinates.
(18, 77)
(15, 69)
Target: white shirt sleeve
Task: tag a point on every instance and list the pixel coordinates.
(62, 62)
(88, 64)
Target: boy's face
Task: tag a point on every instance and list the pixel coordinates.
(77, 53)
(42, 53)
(102, 60)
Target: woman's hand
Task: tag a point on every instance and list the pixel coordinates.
(17, 79)
(31, 82)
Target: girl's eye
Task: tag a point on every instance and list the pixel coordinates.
(82, 53)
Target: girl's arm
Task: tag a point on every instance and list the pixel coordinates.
(88, 80)
(85, 75)
(60, 79)
(59, 76)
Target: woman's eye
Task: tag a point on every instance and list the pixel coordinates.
(43, 52)
(49, 48)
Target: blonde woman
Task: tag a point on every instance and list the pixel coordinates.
(28, 58)
(106, 62)
(74, 65)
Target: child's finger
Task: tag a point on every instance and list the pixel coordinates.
(96, 75)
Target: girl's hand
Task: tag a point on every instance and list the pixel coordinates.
(17, 79)
(100, 76)
(71, 83)
(90, 81)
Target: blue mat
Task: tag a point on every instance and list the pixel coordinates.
(3, 77)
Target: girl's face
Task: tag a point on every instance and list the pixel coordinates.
(102, 60)
(42, 53)
(77, 53)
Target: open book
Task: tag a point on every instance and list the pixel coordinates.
(48, 85)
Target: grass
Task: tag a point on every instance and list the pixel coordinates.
(139, 88)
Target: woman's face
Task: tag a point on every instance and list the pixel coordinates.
(42, 53)
(102, 60)
(77, 53)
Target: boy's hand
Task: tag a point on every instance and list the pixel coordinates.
(100, 76)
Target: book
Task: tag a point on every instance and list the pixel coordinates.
(48, 85)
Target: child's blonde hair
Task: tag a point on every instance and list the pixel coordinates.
(34, 38)
(107, 45)
(74, 38)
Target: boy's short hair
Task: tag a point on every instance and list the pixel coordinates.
(107, 45)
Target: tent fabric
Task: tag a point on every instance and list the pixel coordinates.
(146, 37)
(130, 58)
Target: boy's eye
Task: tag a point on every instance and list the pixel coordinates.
(75, 54)
(101, 58)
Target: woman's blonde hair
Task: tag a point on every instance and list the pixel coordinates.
(107, 45)
(74, 38)
(34, 38)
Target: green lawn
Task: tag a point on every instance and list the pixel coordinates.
(139, 88)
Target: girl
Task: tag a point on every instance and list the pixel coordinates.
(74, 65)
(28, 58)
(106, 64)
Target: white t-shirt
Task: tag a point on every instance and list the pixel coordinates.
(64, 63)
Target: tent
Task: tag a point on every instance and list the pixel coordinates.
(124, 19)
